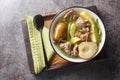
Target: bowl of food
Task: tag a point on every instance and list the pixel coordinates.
(77, 34)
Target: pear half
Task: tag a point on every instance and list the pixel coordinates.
(87, 50)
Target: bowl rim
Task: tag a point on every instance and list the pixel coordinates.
(65, 10)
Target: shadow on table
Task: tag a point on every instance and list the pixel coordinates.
(96, 71)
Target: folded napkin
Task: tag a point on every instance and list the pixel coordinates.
(48, 48)
(36, 45)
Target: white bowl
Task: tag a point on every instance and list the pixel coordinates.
(77, 8)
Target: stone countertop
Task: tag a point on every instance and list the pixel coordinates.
(13, 59)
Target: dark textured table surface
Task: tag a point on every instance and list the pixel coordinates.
(13, 60)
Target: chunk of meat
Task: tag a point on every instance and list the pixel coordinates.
(68, 14)
(84, 37)
(88, 24)
(66, 47)
(85, 30)
(75, 50)
(84, 34)
(80, 23)
(86, 21)
(71, 14)
(78, 34)
(74, 17)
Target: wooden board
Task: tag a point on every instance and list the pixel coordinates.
(56, 61)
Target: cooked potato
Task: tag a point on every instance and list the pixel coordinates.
(60, 31)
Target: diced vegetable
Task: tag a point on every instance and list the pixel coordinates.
(68, 30)
(72, 29)
(75, 40)
(64, 40)
(98, 30)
